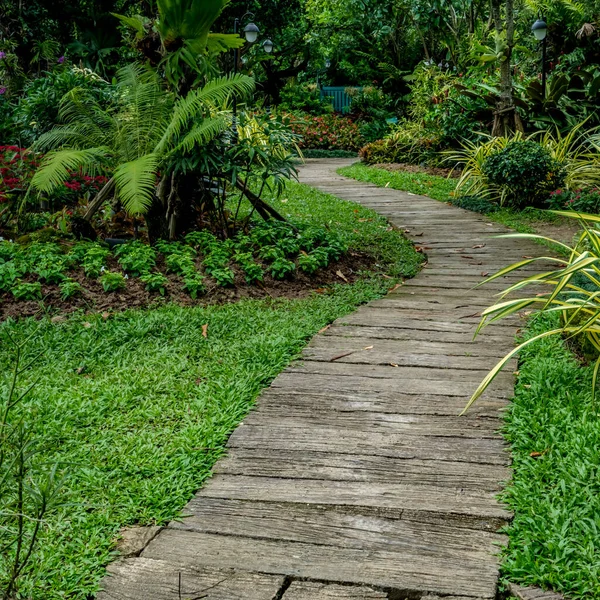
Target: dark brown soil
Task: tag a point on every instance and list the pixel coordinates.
(135, 295)
(439, 171)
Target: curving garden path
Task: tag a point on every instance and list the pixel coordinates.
(354, 478)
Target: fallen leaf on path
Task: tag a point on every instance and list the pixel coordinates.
(418, 234)
(393, 289)
(205, 330)
(387, 277)
(368, 348)
(528, 257)
(394, 365)
(342, 276)
(466, 256)
(479, 246)
(324, 329)
(484, 273)
(341, 356)
(407, 231)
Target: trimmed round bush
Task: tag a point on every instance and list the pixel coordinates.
(525, 172)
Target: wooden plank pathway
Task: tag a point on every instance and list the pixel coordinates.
(355, 478)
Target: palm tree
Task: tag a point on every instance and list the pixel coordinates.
(137, 141)
(179, 39)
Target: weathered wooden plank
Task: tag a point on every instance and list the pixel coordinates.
(310, 590)
(487, 336)
(428, 374)
(355, 467)
(396, 358)
(344, 527)
(325, 347)
(371, 317)
(369, 443)
(157, 579)
(406, 424)
(410, 574)
(312, 382)
(381, 401)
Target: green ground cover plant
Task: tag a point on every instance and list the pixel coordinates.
(554, 430)
(137, 406)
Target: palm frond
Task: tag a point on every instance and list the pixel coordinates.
(201, 101)
(136, 183)
(57, 166)
(202, 133)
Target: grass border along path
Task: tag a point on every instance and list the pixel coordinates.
(137, 406)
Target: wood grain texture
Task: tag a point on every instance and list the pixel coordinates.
(311, 590)
(355, 477)
(157, 579)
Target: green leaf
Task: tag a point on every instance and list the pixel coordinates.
(136, 183)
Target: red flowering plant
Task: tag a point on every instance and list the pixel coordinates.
(17, 166)
(79, 189)
(583, 201)
(327, 132)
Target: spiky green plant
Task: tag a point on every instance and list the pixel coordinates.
(136, 140)
(574, 292)
(578, 152)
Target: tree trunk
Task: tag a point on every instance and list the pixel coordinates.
(101, 197)
(506, 118)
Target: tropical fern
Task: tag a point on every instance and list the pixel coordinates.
(135, 140)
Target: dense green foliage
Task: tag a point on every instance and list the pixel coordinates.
(526, 170)
(554, 432)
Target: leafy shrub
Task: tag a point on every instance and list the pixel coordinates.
(136, 257)
(179, 263)
(10, 272)
(524, 171)
(38, 109)
(94, 260)
(327, 132)
(584, 201)
(408, 143)
(576, 153)
(50, 270)
(305, 97)
(282, 268)
(308, 263)
(155, 282)
(193, 284)
(203, 240)
(27, 291)
(223, 276)
(111, 281)
(321, 256)
(252, 270)
(69, 289)
(217, 260)
(271, 253)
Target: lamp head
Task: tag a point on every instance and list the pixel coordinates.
(540, 30)
(251, 32)
(268, 46)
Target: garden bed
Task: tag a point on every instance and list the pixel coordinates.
(407, 168)
(93, 298)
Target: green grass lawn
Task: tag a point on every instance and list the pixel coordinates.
(554, 430)
(441, 188)
(138, 406)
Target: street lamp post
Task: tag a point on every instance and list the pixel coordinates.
(540, 31)
(251, 32)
